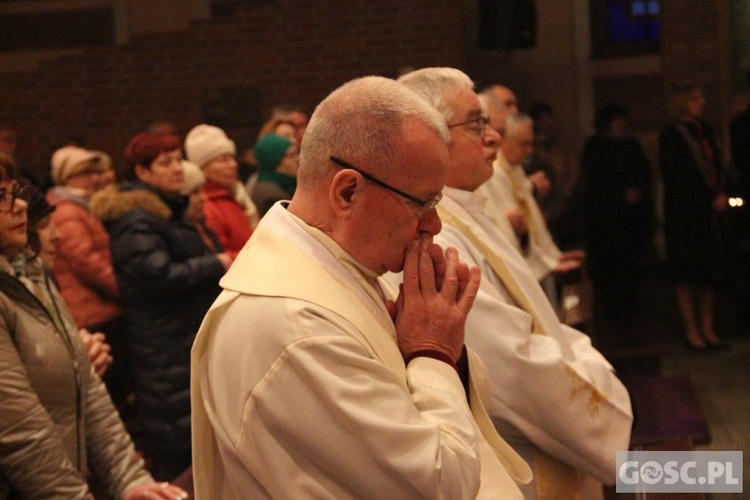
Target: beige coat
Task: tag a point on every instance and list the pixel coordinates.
(56, 418)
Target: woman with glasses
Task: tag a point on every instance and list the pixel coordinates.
(57, 422)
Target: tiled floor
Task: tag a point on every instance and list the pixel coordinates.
(721, 378)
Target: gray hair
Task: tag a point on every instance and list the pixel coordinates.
(512, 122)
(362, 121)
(437, 85)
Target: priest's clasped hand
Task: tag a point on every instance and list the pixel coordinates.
(435, 298)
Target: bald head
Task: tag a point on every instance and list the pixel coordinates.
(506, 96)
(362, 121)
(495, 111)
(518, 142)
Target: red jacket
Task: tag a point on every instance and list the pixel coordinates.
(83, 264)
(225, 217)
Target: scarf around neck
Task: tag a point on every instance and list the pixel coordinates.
(286, 182)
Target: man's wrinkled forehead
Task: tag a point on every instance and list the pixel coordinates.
(465, 105)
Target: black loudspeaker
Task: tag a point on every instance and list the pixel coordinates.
(507, 24)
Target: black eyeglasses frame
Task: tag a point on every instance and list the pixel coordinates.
(425, 205)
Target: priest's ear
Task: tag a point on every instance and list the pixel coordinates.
(345, 192)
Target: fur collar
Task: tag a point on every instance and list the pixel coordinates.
(113, 202)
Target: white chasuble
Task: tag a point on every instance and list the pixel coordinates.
(552, 391)
(320, 403)
(510, 186)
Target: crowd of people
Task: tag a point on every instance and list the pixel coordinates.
(399, 328)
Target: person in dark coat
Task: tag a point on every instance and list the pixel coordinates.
(740, 142)
(168, 279)
(694, 179)
(618, 213)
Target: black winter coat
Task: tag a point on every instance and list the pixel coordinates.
(168, 280)
(616, 232)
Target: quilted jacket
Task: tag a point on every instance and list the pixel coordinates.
(56, 418)
(83, 265)
(168, 279)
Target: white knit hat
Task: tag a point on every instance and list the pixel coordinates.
(70, 160)
(194, 177)
(206, 142)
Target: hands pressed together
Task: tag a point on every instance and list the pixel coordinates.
(436, 296)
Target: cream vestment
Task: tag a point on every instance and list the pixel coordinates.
(299, 389)
(510, 186)
(552, 391)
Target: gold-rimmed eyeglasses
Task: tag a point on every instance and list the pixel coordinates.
(481, 124)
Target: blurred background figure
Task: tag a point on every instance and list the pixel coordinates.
(278, 125)
(163, 126)
(168, 279)
(278, 158)
(287, 120)
(43, 240)
(109, 175)
(505, 96)
(618, 214)
(531, 235)
(295, 114)
(740, 141)
(193, 189)
(229, 211)
(506, 220)
(83, 263)
(547, 166)
(694, 197)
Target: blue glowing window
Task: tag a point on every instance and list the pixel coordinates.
(639, 8)
(633, 20)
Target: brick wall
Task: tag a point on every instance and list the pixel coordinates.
(287, 50)
(299, 50)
